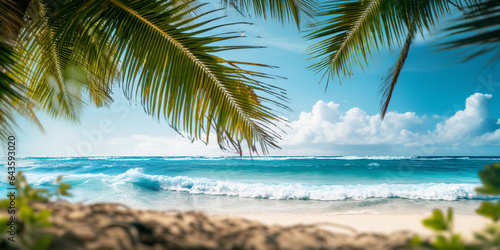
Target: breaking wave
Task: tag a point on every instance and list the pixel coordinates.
(426, 191)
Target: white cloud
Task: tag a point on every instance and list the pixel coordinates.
(326, 124)
(331, 131)
(475, 120)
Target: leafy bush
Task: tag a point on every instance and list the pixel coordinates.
(488, 238)
(31, 228)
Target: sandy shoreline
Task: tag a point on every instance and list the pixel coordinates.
(368, 223)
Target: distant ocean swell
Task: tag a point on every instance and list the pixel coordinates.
(136, 176)
(281, 158)
(270, 158)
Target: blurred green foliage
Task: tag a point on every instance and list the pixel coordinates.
(490, 177)
(488, 238)
(31, 227)
(490, 210)
(438, 222)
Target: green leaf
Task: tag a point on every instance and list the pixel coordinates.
(441, 242)
(283, 10)
(416, 241)
(13, 99)
(490, 178)
(477, 32)
(454, 243)
(26, 214)
(31, 226)
(43, 215)
(449, 216)
(63, 189)
(437, 221)
(355, 31)
(3, 225)
(481, 237)
(489, 210)
(4, 203)
(60, 73)
(43, 242)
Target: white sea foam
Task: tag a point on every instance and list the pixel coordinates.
(99, 158)
(427, 191)
(41, 180)
(355, 212)
(26, 163)
(46, 179)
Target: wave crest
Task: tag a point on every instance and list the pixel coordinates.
(427, 191)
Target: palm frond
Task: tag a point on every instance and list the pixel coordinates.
(12, 94)
(168, 64)
(411, 18)
(11, 18)
(59, 72)
(356, 30)
(390, 80)
(350, 34)
(297, 11)
(417, 15)
(478, 30)
(421, 15)
(49, 67)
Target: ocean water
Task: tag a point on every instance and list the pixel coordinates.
(296, 185)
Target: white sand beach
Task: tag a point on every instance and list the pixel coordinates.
(369, 223)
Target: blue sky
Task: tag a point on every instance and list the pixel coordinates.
(428, 108)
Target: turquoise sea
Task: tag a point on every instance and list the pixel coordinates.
(297, 185)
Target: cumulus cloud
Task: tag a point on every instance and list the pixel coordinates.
(474, 121)
(327, 126)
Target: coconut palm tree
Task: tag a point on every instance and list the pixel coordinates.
(354, 31)
(58, 55)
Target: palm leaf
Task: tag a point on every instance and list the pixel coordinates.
(169, 65)
(11, 21)
(478, 31)
(60, 73)
(12, 95)
(356, 30)
(297, 11)
(413, 13)
(352, 31)
(390, 80)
